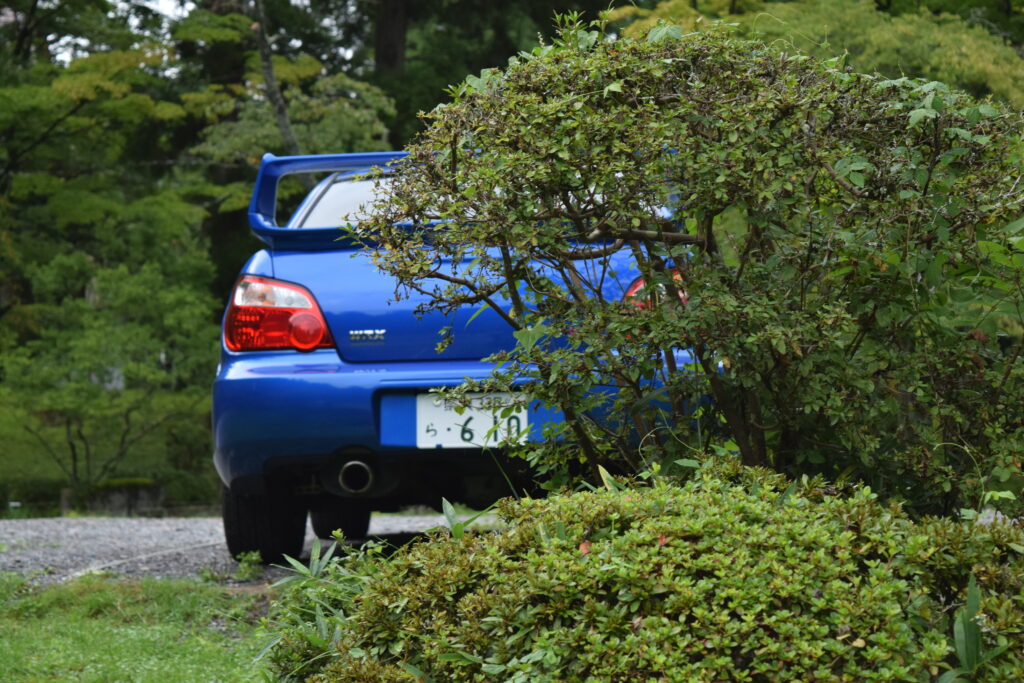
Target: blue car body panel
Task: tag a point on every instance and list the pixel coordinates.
(284, 413)
(344, 283)
(274, 404)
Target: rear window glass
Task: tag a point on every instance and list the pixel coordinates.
(342, 203)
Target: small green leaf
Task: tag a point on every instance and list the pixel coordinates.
(461, 657)
(410, 669)
(781, 501)
(1014, 227)
(966, 632)
(476, 313)
(449, 513)
(664, 32)
(529, 336)
(298, 566)
(608, 480)
(918, 114)
(268, 647)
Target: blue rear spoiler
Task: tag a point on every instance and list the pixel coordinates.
(262, 208)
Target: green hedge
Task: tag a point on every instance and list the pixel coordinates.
(723, 578)
(38, 496)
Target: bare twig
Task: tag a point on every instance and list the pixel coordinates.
(843, 182)
(49, 451)
(590, 253)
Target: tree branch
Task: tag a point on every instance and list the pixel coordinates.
(50, 451)
(590, 253)
(843, 182)
(16, 157)
(88, 451)
(284, 124)
(510, 283)
(486, 298)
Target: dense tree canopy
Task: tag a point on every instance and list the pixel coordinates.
(126, 148)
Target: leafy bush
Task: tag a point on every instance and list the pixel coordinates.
(190, 487)
(37, 495)
(969, 51)
(842, 272)
(728, 577)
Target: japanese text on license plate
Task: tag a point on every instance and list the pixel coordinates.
(488, 421)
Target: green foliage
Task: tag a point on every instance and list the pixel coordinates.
(439, 41)
(303, 627)
(842, 275)
(107, 319)
(98, 629)
(208, 27)
(972, 48)
(37, 496)
(725, 577)
(967, 638)
(455, 527)
(250, 566)
(329, 114)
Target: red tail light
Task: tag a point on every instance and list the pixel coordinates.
(269, 314)
(636, 296)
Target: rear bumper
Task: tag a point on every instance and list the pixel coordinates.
(283, 414)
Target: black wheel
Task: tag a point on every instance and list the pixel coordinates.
(272, 525)
(352, 517)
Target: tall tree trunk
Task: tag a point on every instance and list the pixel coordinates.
(284, 124)
(26, 33)
(389, 41)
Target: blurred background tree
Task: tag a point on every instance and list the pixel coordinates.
(974, 45)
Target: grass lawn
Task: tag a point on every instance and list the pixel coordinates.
(107, 629)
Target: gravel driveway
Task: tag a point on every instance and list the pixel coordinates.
(55, 549)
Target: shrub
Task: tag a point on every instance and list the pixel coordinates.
(848, 246)
(37, 496)
(190, 487)
(728, 577)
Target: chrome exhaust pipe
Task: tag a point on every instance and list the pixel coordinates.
(355, 477)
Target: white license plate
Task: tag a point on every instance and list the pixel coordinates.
(482, 424)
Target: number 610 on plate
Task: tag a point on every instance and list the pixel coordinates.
(486, 422)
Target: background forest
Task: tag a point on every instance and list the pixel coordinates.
(132, 131)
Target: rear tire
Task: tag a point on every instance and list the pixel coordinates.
(272, 525)
(351, 517)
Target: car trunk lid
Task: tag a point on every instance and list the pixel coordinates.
(370, 325)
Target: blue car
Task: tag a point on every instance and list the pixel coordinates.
(322, 403)
(322, 400)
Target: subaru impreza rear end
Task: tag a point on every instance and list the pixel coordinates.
(322, 402)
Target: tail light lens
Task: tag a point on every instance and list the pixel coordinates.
(269, 314)
(636, 295)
